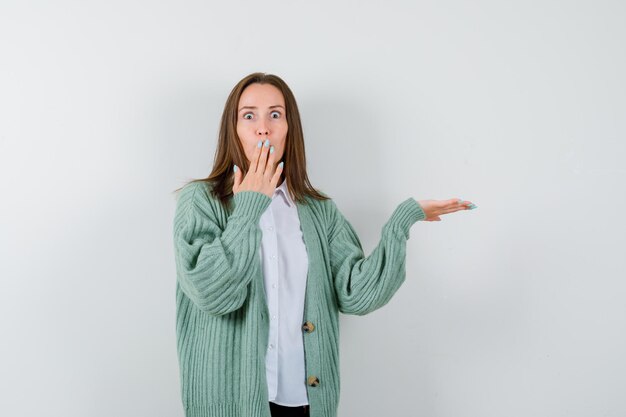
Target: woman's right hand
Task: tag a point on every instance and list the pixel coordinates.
(262, 176)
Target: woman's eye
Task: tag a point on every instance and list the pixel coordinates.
(276, 112)
(245, 116)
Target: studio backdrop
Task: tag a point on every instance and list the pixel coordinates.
(514, 309)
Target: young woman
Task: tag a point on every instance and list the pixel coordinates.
(265, 263)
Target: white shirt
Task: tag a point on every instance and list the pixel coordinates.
(285, 266)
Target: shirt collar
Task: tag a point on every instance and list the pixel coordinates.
(282, 189)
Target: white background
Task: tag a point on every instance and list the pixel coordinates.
(513, 309)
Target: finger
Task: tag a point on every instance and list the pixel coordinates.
(465, 206)
(464, 203)
(450, 209)
(256, 156)
(263, 158)
(455, 203)
(276, 177)
(271, 156)
(269, 169)
(237, 180)
(445, 204)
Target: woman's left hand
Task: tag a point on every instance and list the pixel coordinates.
(435, 208)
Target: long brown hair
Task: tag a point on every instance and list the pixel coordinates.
(229, 150)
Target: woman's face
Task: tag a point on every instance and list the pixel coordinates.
(261, 115)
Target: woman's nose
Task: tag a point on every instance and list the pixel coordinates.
(262, 130)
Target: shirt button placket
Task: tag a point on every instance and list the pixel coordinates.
(270, 228)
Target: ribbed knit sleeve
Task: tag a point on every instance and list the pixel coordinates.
(363, 284)
(214, 266)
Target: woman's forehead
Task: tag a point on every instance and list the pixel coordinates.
(265, 95)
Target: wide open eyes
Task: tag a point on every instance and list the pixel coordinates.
(274, 115)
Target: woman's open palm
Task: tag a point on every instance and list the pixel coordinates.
(435, 208)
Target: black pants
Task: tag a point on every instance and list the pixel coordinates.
(284, 411)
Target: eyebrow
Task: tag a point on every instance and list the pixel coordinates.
(253, 107)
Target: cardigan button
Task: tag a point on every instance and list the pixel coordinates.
(308, 327)
(313, 381)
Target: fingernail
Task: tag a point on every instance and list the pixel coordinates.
(272, 149)
(267, 143)
(472, 206)
(281, 164)
(258, 145)
(235, 168)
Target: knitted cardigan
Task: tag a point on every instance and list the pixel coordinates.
(222, 324)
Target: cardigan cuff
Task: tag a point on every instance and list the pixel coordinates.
(405, 215)
(251, 204)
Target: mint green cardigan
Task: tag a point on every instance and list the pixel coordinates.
(221, 311)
